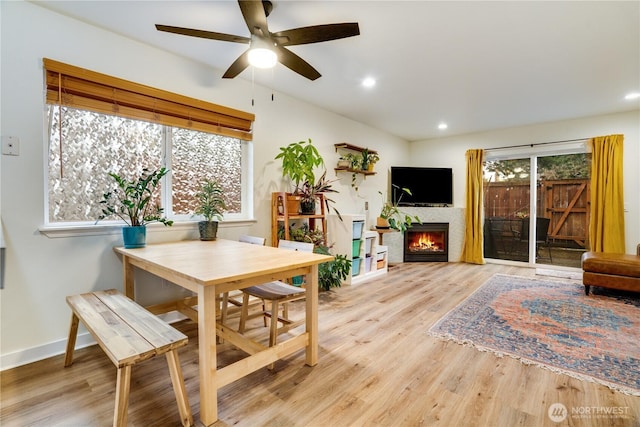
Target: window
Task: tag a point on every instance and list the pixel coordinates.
(98, 124)
(94, 144)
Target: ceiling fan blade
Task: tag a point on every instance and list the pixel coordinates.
(297, 64)
(238, 66)
(203, 34)
(255, 17)
(316, 33)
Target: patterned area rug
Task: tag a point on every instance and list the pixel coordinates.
(554, 325)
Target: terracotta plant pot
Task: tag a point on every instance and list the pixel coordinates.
(382, 223)
(293, 204)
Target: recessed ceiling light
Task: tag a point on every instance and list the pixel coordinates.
(369, 82)
(442, 126)
(632, 95)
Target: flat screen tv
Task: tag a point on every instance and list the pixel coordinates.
(429, 186)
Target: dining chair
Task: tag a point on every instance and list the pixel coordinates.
(278, 294)
(233, 298)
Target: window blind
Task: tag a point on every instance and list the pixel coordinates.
(76, 87)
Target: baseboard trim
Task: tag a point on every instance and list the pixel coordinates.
(55, 348)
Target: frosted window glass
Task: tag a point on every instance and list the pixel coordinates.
(93, 145)
(197, 156)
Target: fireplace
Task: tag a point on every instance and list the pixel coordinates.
(427, 242)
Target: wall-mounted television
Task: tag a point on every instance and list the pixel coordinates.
(429, 186)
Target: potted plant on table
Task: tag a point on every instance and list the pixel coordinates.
(132, 201)
(392, 217)
(211, 206)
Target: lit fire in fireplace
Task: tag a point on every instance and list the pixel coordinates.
(426, 242)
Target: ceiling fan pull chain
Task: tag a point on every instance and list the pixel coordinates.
(272, 78)
(253, 86)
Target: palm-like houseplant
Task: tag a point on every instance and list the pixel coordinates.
(133, 202)
(211, 206)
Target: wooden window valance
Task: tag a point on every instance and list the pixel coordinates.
(77, 87)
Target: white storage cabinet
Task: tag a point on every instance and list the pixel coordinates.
(351, 238)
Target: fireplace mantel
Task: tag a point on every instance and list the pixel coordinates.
(455, 218)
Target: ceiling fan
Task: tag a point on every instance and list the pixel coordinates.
(255, 13)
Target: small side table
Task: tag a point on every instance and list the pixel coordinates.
(381, 232)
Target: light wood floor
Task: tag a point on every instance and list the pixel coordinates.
(377, 367)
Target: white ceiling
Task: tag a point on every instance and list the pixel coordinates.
(475, 65)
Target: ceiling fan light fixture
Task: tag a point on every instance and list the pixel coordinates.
(260, 55)
(369, 82)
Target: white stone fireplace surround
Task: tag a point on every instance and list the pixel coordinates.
(455, 218)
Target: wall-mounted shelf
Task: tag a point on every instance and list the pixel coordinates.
(353, 148)
(357, 149)
(354, 171)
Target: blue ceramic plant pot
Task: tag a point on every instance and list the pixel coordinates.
(134, 237)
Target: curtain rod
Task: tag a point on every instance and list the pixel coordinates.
(538, 143)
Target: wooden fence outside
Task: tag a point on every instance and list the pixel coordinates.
(565, 202)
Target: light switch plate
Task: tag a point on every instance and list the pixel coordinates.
(11, 145)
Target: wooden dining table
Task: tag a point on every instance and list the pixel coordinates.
(211, 268)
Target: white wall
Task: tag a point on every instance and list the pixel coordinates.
(450, 152)
(42, 270)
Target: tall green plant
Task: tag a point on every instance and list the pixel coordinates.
(299, 160)
(131, 201)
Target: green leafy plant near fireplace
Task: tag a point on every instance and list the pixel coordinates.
(392, 217)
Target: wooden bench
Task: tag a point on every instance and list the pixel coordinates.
(128, 334)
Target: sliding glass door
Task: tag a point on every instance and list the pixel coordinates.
(506, 204)
(536, 208)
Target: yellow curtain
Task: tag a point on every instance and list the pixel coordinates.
(473, 247)
(606, 225)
